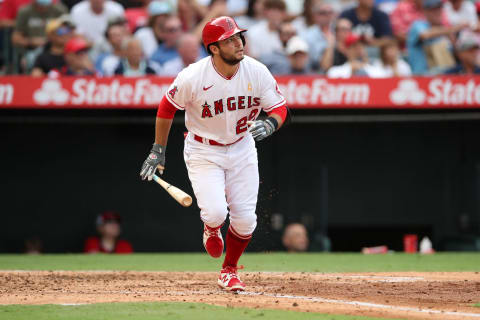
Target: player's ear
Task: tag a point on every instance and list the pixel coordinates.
(213, 48)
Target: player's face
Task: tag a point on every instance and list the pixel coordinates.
(231, 49)
(110, 229)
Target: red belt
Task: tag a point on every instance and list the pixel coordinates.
(212, 142)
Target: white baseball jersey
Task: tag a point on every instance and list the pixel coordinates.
(218, 108)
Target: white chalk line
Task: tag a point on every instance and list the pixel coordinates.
(361, 304)
(312, 299)
(340, 277)
(384, 279)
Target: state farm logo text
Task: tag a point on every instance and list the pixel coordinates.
(93, 92)
(440, 91)
(6, 93)
(320, 91)
(443, 91)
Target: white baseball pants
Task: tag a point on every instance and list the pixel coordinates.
(223, 178)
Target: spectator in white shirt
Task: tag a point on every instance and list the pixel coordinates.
(357, 63)
(188, 49)
(263, 37)
(305, 19)
(151, 35)
(91, 17)
(461, 11)
(253, 15)
(390, 62)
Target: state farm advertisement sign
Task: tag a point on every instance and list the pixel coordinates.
(300, 92)
(420, 92)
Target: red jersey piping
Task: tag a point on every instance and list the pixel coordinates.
(176, 105)
(227, 78)
(275, 105)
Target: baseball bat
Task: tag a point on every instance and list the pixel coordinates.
(183, 198)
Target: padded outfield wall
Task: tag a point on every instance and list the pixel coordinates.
(363, 177)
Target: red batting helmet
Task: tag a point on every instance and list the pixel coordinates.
(218, 29)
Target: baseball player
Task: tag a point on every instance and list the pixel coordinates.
(222, 96)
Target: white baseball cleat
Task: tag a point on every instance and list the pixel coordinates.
(229, 280)
(213, 241)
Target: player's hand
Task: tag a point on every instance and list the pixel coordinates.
(261, 129)
(155, 160)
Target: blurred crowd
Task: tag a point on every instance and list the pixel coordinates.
(339, 38)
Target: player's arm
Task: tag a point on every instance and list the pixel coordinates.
(261, 129)
(280, 115)
(273, 103)
(163, 123)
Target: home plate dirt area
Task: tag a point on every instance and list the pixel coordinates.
(412, 295)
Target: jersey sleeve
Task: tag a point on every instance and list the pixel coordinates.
(123, 246)
(271, 96)
(92, 245)
(179, 92)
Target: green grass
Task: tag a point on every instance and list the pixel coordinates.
(156, 311)
(308, 262)
(477, 305)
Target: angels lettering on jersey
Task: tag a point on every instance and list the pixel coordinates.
(218, 108)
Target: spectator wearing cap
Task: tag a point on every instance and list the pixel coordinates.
(467, 52)
(116, 33)
(405, 14)
(59, 31)
(263, 37)
(297, 53)
(189, 51)
(277, 61)
(319, 34)
(134, 63)
(357, 61)
(390, 62)
(109, 229)
(77, 61)
(428, 36)
(336, 52)
(372, 24)
(151, 36)
(171, 31)
(29, 32)
(91, 18)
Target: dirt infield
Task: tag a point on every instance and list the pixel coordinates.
(409, 295)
